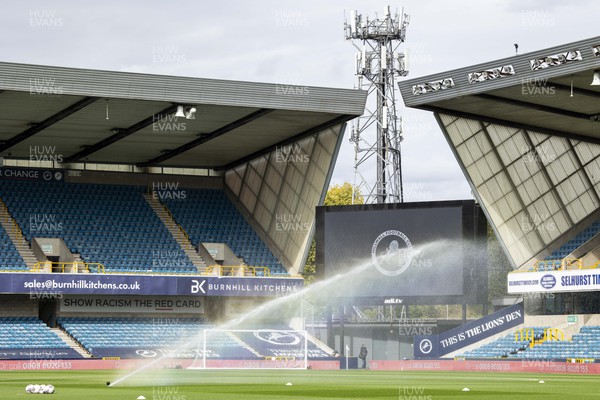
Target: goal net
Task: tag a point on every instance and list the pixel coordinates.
(252, 349)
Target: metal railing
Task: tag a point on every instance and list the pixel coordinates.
(75, 267)
(236, 270)
(182, 235)
(561, 264)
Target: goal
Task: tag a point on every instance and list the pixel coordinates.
(252, 349)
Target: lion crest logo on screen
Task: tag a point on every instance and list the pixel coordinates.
(278, 338)
(392, 253)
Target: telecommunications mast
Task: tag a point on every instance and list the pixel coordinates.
(378, 133)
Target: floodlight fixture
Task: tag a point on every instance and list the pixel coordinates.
(179, 112)
(190, 113)
(187, 112)
(596, 80)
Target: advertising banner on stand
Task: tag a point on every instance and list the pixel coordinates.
(434, 346)
(153, 285)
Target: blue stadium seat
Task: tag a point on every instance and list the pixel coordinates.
(582, 345)
(96, 221)
(10, 259)
(97, 334)
(575, 242)
(208, 216)
(27, 333)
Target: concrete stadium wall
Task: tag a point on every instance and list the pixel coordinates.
(19, 305)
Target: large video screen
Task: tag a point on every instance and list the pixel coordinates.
(402, 253)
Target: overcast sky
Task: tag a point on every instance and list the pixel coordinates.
(294, 42)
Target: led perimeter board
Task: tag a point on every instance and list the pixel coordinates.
(407, 253)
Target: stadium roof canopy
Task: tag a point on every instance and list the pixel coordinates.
(526, 132)
(234, 122)
(275, 144)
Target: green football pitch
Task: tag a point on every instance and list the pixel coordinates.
(309, 384)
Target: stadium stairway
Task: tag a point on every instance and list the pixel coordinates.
(64, 336)
(176, 231)
(16, 237)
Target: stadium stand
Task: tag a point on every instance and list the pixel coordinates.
(280, 344)
(504, 347)
(228, 346)
(117, 332)
(10, 259)
(554, 260)
(210, 217)
(115, 226)
(99, 335)
(109, 224)
(27, 333)
(583, 345)
(577, 241)
(501, 347)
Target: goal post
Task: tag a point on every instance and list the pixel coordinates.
(252, 349)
